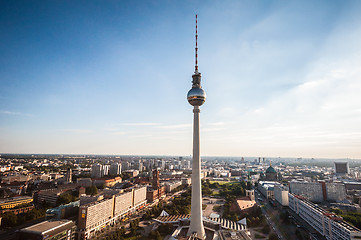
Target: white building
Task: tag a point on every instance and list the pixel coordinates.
(327, 224)
(281, 194)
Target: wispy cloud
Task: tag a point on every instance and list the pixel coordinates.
(175, 126)
(9, 112)
(210, 129)
(217, 124)
(5, 112)
(139, 124)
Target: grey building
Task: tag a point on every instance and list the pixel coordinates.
(342, 168)
(115, 169)
(310, 190)
(335, 192)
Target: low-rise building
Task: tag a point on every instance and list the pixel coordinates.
(170, 186)
(108, 182)
(242, 205)
(267, 188)
(9, 203)
(49, 230)
(48, 196)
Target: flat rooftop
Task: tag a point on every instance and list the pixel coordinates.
(47, 226)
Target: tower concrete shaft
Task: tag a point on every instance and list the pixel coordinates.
(196, 225)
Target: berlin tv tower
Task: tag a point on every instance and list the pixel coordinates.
(196, 97)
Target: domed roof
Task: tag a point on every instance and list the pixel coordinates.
(270, 169)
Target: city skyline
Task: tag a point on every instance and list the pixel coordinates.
(91, 78)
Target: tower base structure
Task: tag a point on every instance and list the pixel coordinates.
(196, 227)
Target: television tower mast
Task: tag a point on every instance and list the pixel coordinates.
(196, 97)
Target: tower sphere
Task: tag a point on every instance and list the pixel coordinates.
(196, 96)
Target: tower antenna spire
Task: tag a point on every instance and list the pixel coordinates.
(196, 67)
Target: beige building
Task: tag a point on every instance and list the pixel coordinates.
(94, 216)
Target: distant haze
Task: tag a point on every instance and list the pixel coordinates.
(283, 78)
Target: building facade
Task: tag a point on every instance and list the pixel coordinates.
(281, 195)
(49, 230)
(267, 188)
(95, 215)
(327, 224)
(115, 169)
(310, 190)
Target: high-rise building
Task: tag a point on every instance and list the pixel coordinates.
(319, 191)
(69, 175)
(94, 216)
(196, 97)
(115, 169)
(105, 170)
(342, 168)
(155, 183)
(97, 170)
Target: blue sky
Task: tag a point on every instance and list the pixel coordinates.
(111, 77)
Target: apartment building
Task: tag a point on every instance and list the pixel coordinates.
(327, 224)
(319, 191)
(94, 216)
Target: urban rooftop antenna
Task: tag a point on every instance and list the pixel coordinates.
(196, 67)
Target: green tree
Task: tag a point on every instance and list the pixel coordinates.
(91, 190)
(65, 198)
(9, 219)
